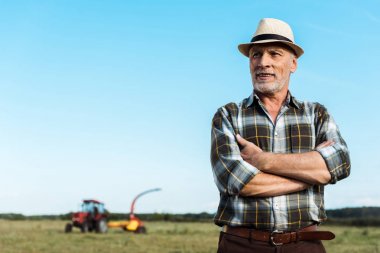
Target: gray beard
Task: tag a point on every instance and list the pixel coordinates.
(268, 88)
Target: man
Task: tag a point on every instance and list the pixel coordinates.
(272, 155)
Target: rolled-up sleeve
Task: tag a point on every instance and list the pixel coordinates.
(231, 172)
(336, 156)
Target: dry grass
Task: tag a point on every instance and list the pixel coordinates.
(48, 236)
(353, 240)
(162, 237)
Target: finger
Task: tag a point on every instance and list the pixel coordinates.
(326, 144)
(242, 142)
(322, 145)
(244, 156)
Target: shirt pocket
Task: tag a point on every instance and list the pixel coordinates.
(301, 137)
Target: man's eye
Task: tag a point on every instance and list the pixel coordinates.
(255, 55)
(275, 53)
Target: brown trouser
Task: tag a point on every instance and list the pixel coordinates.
(236, 244)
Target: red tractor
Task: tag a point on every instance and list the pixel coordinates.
(93, 217)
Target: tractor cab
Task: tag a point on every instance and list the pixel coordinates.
(93, 206)
(92, 217)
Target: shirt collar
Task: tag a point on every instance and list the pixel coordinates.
(290, 100)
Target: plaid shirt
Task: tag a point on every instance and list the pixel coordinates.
(300, 127)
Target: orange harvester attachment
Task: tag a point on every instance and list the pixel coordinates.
(134, 224)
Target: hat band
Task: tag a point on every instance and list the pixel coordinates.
(269, 36)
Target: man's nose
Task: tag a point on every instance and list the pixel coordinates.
(264, 61)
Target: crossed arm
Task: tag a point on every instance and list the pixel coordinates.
(242, 168)
(282, 173)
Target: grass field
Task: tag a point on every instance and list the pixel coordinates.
(162, 237)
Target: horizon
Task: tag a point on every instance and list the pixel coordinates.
(139, 213)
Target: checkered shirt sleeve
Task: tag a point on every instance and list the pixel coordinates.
(231, 172)
(336, 156)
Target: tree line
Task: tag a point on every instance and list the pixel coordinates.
(187, 217)
(358, 216)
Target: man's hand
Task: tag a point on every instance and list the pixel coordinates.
(251, 153)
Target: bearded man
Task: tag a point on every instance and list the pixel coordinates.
(272, 155)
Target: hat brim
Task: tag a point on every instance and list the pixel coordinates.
(244, 48)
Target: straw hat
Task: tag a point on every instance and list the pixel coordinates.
(272, 30)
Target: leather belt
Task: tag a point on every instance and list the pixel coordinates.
(277, 238)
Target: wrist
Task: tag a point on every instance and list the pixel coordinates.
(264, 161)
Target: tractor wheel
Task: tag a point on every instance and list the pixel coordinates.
(101, 226)
(68, 228)
(140, 230)
(84, 227)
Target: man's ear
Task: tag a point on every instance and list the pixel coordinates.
(294, 65)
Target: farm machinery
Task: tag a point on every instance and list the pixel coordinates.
(134, 224)
(92, 217)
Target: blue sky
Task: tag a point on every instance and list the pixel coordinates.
(105, 99)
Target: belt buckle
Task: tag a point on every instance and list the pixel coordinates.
(272, 237)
